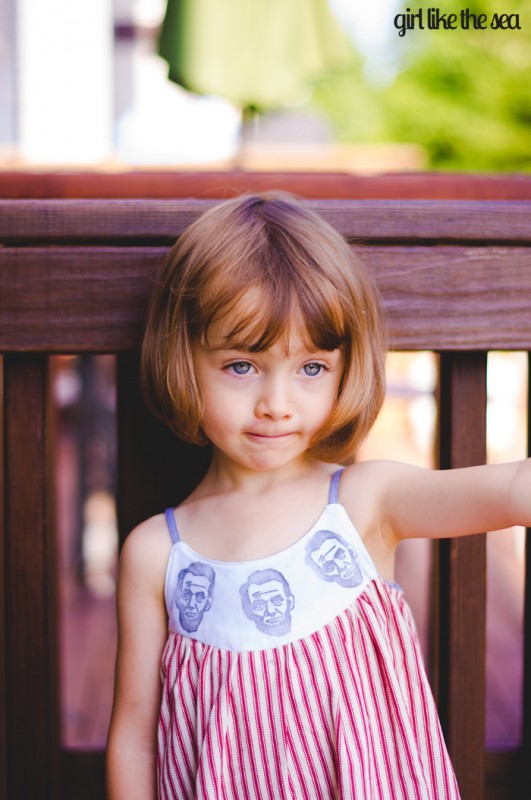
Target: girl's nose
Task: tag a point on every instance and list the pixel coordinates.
(273, 400)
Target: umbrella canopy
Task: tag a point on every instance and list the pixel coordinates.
(258, 54)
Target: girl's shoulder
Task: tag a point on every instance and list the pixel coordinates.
(364, 493)
(375, 475)
(146, 549)
(365, 490)
(371, 475)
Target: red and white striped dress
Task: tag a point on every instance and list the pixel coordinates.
(296, 676)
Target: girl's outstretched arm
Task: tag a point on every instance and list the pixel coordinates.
(415, 502)
(142, 630)
(390, 501)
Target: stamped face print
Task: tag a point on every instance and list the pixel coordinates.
(195, 586)
(333, 559)
(267, 600)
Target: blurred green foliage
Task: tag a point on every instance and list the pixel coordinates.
(463, 95)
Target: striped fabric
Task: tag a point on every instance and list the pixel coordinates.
(345, 712)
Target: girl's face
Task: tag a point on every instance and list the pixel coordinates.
(261, 410)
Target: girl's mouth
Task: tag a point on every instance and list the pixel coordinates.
(268, 437)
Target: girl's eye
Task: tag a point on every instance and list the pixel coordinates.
(240, 367)
(313, 369)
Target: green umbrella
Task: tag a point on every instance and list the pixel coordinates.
(258, 54)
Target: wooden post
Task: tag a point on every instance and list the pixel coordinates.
(155, 468)
(31, 672)
(460, 679)
(525, 754)
(3, 616)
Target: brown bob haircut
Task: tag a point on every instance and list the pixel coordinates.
(298, 267)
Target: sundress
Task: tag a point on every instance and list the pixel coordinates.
(295, 677)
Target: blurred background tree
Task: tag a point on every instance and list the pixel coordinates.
(463, 95)
(262, 75)
(258, 56)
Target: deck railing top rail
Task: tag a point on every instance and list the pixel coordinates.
(453, 275)
(31, 222)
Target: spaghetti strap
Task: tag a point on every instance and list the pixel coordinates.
(172, 525)
(334, 486)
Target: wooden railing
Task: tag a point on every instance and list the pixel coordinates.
(455, 278)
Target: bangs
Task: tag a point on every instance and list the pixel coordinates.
(266, 284)
(260, 316)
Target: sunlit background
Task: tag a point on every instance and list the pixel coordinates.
(82, 83)
(83, 86)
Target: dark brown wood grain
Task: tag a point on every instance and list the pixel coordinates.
(3, 617)
(156, 469)
(131, 221)
(83, 774)
(73, 299)
(460, 680)
(524, 762)
(32, 712)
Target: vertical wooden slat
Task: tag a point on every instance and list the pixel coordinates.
(525, 755)
(462, 577)
(3, 620)
(32, 708)
(83, 774)
(155, 468)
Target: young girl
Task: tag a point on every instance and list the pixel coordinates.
(264, 649)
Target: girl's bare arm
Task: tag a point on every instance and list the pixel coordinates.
(416, 502)
(142, 631)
